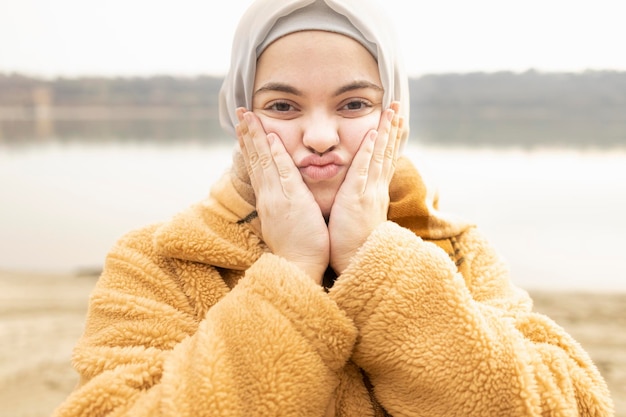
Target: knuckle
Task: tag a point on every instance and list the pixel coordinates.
(362, 171)
(379, 156)
(283, 172)
(265, 160)
(243, 129)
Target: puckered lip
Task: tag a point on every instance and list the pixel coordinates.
(321, 160)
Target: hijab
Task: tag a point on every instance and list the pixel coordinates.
(267, 20)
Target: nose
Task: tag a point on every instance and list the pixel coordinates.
(321, 133)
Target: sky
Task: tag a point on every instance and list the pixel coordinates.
(193, 37)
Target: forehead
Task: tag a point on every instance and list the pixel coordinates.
(316, 55)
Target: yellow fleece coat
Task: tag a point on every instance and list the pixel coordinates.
(195, 317)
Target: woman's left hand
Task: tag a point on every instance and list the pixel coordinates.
(362, 201)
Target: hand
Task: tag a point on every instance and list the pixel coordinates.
(291, 221)
(362, 202)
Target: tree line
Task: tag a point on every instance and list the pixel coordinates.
(591, 89)
(587, 107)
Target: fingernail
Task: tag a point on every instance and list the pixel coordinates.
(373, 135)
(390, 115)
(247, 117)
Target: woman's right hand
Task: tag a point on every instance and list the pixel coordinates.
(291, 221)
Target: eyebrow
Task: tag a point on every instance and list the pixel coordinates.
(286, 88)
(280, 87)
(357, 85)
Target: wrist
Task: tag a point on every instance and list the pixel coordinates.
(313, 271)
(340, 265)
(313, 266)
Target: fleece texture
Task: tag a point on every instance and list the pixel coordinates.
(195, 317)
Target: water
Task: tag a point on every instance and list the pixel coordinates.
(556, 216)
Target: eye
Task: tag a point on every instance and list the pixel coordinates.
(280, 106)
(356, 105)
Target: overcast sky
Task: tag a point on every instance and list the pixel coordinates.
(190, 37)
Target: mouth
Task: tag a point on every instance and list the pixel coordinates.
(320, 168)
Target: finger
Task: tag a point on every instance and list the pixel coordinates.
(239, 112)
(256, 142)
(239, 129)
(256, 150)
(357, 176)
(393, 143)
(399, 134)
(289, 175)
(381, 148)
(246, 145)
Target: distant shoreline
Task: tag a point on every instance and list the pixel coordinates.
(94, 113)
(586, 109)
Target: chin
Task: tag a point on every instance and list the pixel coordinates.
(325, 212)
(326, 204)
(324, 197)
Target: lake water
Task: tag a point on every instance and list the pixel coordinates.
(557, 216)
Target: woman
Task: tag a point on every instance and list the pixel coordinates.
(319, 278)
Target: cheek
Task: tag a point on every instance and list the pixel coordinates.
(354, 130)
(287, 132)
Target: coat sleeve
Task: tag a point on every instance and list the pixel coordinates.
(435, 343)
(275, 342)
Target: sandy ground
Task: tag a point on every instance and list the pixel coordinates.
(41, 317)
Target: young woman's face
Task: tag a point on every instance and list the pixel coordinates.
(320, 92)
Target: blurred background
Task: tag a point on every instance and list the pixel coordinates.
(108, 121)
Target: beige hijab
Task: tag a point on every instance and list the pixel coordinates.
(267, 20)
